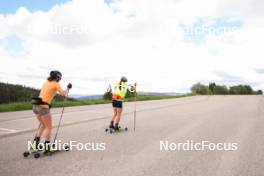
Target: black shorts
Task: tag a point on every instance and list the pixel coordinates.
(117, 104)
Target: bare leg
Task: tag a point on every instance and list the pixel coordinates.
(118, 116)
(41, 127)
(115, 114)
(48, 126)
(113, 118)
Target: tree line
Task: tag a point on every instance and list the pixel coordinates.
(214, 89)
(10, 93)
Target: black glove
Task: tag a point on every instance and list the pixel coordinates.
(69, 86)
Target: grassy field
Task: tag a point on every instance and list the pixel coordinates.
(27, 105)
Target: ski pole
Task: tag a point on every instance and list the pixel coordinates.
(109, 89)
(63, 106)
(60, 120)
(135, 107)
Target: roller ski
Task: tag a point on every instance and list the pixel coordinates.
(47, 152)
(33, 149)
(50, 151)
(111, 130)
(115, 129)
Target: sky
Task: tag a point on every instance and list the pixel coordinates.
(163, 45)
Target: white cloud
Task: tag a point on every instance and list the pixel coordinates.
(140, 39)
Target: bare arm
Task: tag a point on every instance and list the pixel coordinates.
(63, 92)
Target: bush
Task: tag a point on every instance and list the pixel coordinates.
(107, 95)
(224, 90)
(220, 90)
(260, 92)
(200, 89)
(241, 90)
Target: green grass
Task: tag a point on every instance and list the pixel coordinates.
(15, 106)
(27, 105)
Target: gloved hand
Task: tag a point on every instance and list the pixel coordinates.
(69, 86)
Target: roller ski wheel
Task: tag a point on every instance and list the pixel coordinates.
(36, 155)
(26, 154)
(67, 148)
(30, 152)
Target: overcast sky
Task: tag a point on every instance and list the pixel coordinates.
(164, 45)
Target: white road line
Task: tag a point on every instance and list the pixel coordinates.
(8, 130)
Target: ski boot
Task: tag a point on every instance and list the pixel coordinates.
(111, 126)
(116, 128)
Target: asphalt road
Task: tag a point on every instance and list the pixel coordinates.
(216, 119)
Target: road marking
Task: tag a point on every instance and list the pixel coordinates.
(8, 130)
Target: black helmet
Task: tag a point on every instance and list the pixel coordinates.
(56, 75)
(123, 78)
